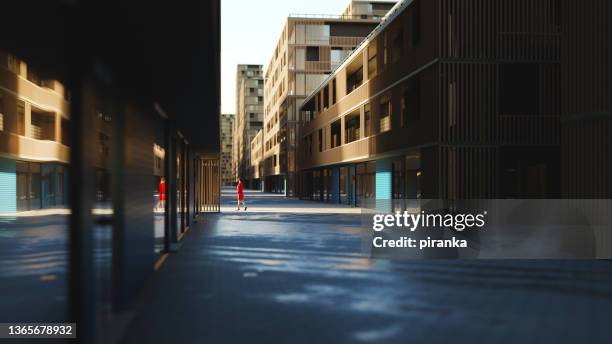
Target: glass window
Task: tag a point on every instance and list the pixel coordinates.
(385, 114)
(367, 120)
(372, 60)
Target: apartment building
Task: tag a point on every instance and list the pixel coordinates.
(249, 117)
(438, 103)
(310, 47)
(227, 131)
(34, 139)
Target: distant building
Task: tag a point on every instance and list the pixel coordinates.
(34, 115)
(310, 47)
(249, 118)
(227, 131)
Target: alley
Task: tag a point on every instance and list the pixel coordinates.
(290, 271)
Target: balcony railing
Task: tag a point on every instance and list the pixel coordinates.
(343, 40)
(315, 66)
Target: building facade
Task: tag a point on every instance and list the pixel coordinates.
(249, 118)
(440, 104)
(34, 115)
(587, 99)
(310, 47)
(227, 131)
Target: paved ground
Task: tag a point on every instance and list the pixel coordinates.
(298, 276)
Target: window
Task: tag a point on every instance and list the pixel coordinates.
(336, 57)
(20, 118)
(398, 47)
(335, 134)
(312, 54)
(354, 80)
(334, 91)
(13, 64)
(352, 125)
(385, 49)
(372, 60)
(519, 88)
(326, 97)
(416, 23)
(385, 114)
(452, 104)
(367, 119)
(354, 74)
(411, 101)
(320, 140)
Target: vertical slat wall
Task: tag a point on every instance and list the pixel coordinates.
(475, 37)
(210, 185)
(587, 98)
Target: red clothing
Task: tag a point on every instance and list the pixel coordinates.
(162, 190)
(240, 191)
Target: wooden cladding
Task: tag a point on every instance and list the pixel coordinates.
(500, 29)
(470, 107)
(209, 178)
(468, 172)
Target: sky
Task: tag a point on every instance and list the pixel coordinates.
(250, 30)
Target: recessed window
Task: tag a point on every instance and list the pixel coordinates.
(352, 125)
(335, 134)
(398, 47)
(519, 88)
(385, 114)
(367, 120)
(312, 54)
(372, 60)
(354, 74)
(320, 140)
(411, 101)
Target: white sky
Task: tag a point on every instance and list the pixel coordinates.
(250, 30)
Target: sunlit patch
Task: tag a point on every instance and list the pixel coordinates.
(48, 278)
(379, 334)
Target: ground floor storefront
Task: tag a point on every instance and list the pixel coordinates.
(27, 185)
(275, 184)
(438, 172)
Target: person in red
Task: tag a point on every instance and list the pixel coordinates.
(240, 191)
(162, 193)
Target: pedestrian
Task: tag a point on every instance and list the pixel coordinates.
(240, 191)
(162, 193)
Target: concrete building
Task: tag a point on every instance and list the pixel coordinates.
(310, 47)
(439, 104)
(34, 115)
(227, 131)
(249, 117)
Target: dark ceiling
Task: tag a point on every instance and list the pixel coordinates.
(165, 52)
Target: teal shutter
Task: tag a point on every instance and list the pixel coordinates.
(8, 186)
